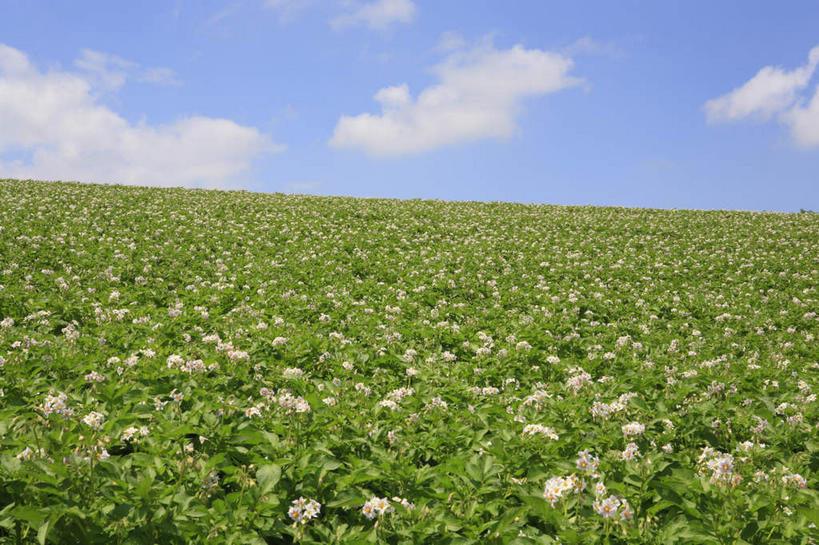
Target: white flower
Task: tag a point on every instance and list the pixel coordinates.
(93, 376)
(303, 510)
(94, 420)
(578, 381)
(607, 507)
(29, 454)
(211, 482)
(539, 429)
(377, 506)
(631, 452)
(587, 462)
(128, 434)
(635, 428)
(557, 487)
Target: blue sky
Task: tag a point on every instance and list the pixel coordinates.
(635, 103)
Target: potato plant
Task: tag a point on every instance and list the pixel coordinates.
(188, 366)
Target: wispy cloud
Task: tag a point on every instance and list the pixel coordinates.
(109, 72)
(376, 15)
(288, 10)
(450, 41)
(589, 46)
(159, 76)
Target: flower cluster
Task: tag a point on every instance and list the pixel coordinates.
(635, 428)
(586, 462)
(29, 454)
(302, 510)
(293, 373)
(56, 404)
(93, 420)
(613, 507)
(631, 452)
(210, 483)
(538, 429)
(793, 479)
(131, 432)
(376, 507)
(720, 465)
(599, 409)
(579, 380)
(558, 488)
(293, 404)
(93, 376)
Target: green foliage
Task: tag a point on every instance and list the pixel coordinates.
(185, 366)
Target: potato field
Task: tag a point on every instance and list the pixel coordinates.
(188, 366)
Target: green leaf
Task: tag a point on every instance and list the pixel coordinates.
(348, 498)
(10, 463)
(42, 533)
(267, 477)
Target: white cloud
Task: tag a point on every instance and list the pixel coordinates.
(775, 92)
(771, 91)
(55, 119)
(378, 14)
(14, 62)
(479, 95)
(804, 122)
